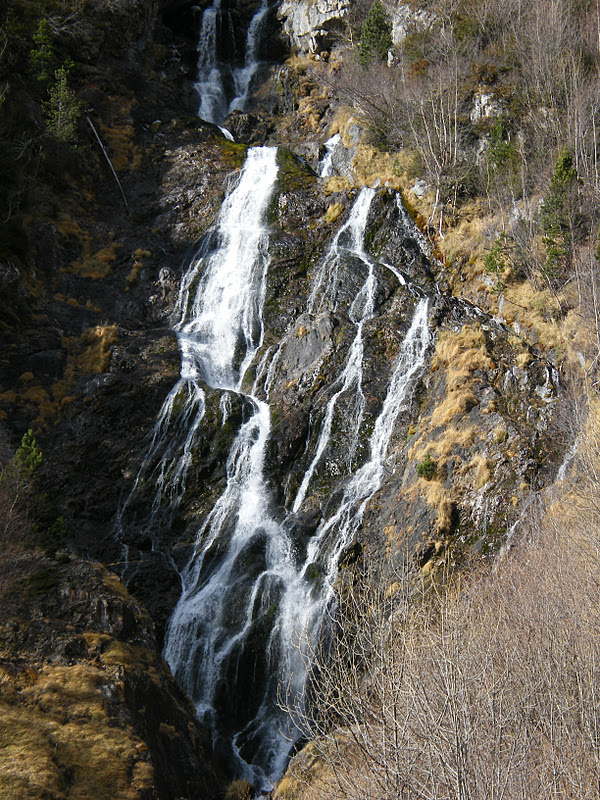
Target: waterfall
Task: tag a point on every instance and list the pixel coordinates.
(246, 594)
(304, 603)
(326, 165)
(246, 591)
(225, 87)
(218, 321)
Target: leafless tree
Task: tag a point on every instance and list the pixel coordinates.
(486, 690)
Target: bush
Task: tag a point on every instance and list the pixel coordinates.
(42, 57)
(427, 468)
(561, 219)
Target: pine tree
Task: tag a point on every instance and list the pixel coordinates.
(376, 35)
(42, 57)
(63, 110)
(561, 217)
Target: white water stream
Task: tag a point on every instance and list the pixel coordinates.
(246, 593)
(224, 87)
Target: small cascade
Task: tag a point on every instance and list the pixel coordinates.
(244, 76)
(223, 87)
(349, 240)
(210, 85)
(326, 165)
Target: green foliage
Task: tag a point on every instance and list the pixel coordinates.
(52, 538)
(42, 58)
(497, 259)
(427, 468)
(561, 218)
(63, 110)
(376, 35)
(501, 152)
(23, 468)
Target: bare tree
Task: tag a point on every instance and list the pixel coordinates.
(489, 690)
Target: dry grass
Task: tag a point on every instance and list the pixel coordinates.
(332, 213)
(439, 498)
(457, 403)
(372, 166)
(69, 228)
(97, 266)
(125, 155)
(481, 469)
(336, 184)
(98, 342)
(56, 739)
(460, 354)
(441, 447)
(89, 353)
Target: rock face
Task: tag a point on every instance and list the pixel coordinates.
(310, 24)
(90, 355)
(405, 19)
(87, 707)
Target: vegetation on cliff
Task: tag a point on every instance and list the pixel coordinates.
(485, 114)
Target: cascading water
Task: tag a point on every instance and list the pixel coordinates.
(246, 592)
(224, 87)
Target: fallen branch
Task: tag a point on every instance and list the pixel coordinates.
(112, 169)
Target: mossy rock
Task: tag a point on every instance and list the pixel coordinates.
(294, 175)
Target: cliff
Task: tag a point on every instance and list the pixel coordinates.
(102, 223)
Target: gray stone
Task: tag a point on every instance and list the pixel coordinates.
(311, 24)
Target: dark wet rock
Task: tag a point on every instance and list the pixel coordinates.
(247, 128)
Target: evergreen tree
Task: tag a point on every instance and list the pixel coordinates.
(42, 57)
(561, 217)
(376, 35)
(63, 110)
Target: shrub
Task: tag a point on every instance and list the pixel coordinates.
(561, 218)
(427, 468)
(42, 57)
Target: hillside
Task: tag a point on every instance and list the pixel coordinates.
(298, 365)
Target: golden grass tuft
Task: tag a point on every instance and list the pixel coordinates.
(240, 789)
(466, 349)
(332, 213)
(336, 184)
(133, 276)
(460, 353)
(372, 165)
(443, 446)
(69, 228)
(97, 266)
(125, 155)
(481, 469)
(98, 341)
(438, 497)
(457, 403)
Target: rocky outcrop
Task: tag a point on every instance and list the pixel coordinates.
(87, 706)
(311, 25)
(406, 19)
